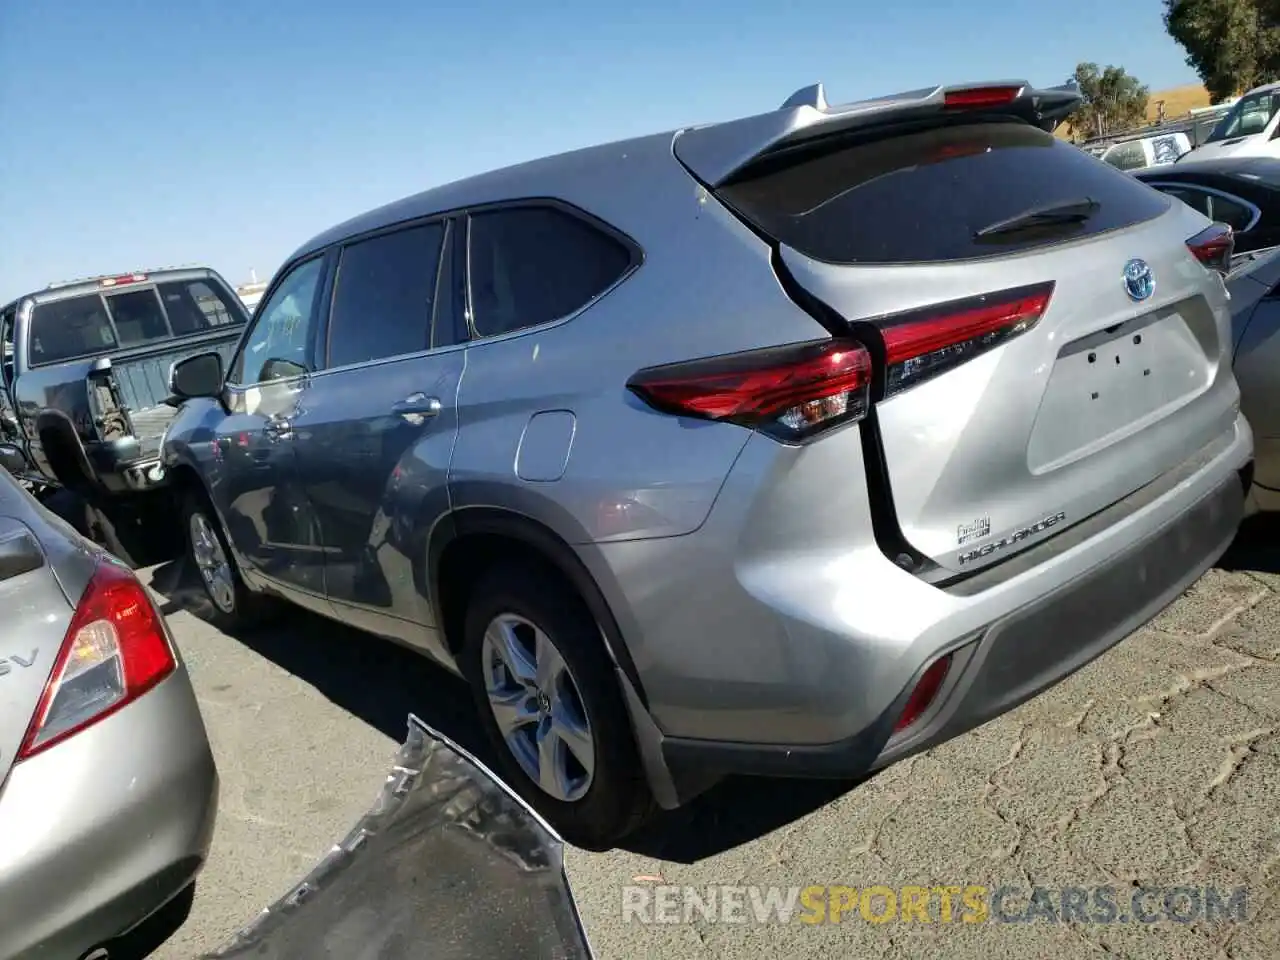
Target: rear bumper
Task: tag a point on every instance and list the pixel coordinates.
(848, 664)
(104, 829)
(122, 467)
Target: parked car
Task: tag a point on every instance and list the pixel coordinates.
(82, 404)
(1148, 150)
(1249, 129)
(108, 789)
(1243, 192)
(1255, 306)
(690, 472)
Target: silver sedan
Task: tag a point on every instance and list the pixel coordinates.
(108, 788)
(1254, 284)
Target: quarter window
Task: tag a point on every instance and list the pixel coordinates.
(384, 295)
(1228, 210)
(532, 265)
(278, 346)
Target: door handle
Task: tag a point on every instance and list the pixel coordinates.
(417, 407)
(278, 428)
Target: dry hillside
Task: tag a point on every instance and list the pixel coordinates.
(1178, 101)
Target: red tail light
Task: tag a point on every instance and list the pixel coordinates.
(1214, 246)
(978, 97)
(923, 343)
(796, 391)
(116, 649)
(790, 392)
(122, 280)
(926, 689)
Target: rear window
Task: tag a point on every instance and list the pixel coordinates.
(69, 328)
(921, 197)
(138, 316)
(198, 306)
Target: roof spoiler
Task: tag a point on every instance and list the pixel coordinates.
(714, 153)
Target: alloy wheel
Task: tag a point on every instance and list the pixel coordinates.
(211, 562)
(538, 707)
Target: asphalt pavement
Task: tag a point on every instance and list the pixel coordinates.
(1153, 773)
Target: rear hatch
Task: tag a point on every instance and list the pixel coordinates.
(1042, 330)
(36, 617)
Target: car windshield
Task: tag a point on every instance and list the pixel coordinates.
(1249, 116)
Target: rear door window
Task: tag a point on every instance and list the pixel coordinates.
(922, 196)
(532, 265)
(65, 329)
(384, 295)
(198, 306)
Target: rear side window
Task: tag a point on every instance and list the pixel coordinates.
(64, 329)
(922, 197)
(138, 316)
(532, 265)
(384, 295)
(1126, 156)
(197, 306)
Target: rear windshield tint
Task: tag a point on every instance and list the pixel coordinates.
(69, 328)
(921, 196)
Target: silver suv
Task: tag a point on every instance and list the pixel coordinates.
(786, 446)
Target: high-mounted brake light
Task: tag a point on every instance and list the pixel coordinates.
(924, 343)
(122, 280)
(790, 392)
(977, 97)
(1214, 246)
(115, 650)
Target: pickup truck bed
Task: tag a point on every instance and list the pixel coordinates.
(143, 382)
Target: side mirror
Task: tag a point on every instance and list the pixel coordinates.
(198, 376)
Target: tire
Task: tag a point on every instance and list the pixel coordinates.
(232, 605)
(611, 800)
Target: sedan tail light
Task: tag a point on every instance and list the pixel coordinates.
(795, 392)
(115, 650)
(1214, 246)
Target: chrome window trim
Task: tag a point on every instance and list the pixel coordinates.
(1254, 211)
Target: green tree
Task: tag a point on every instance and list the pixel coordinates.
(1113, 100)
(1232, 44)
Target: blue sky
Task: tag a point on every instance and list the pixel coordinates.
(141, 133)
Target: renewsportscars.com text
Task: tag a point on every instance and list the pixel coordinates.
(969, 904)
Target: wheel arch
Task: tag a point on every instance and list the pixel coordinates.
(63, 451)
(470, 539)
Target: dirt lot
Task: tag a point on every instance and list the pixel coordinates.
(1158, 764)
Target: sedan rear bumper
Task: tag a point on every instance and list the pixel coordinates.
(103, 830)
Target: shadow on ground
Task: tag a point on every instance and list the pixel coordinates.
(381, 683)
(146, 938)
(1256, 547)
